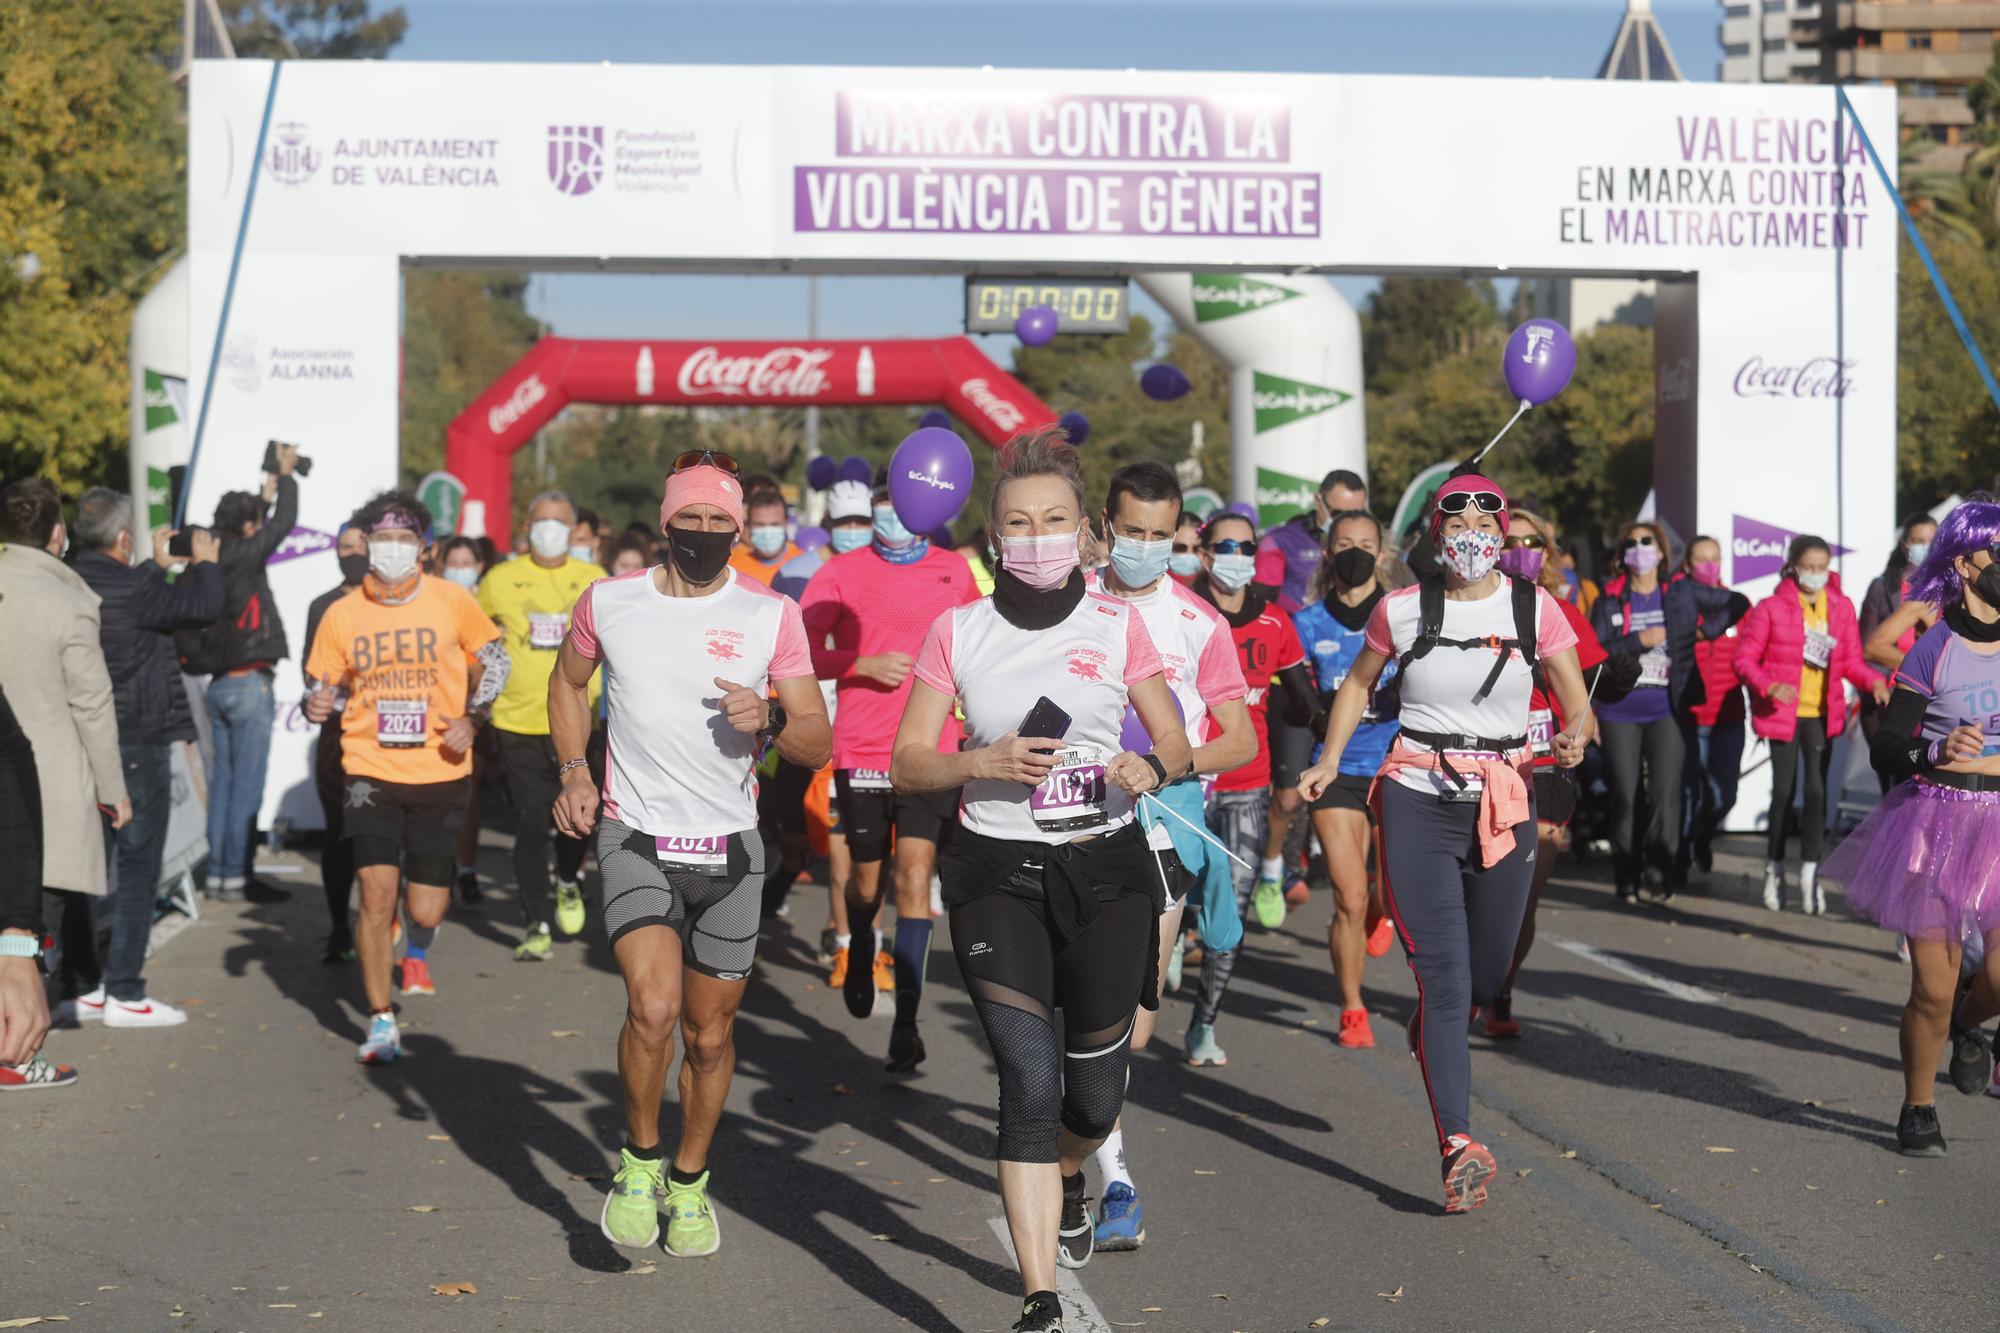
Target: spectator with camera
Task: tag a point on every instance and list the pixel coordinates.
(52, 672)
(140, 612)
(240, 652)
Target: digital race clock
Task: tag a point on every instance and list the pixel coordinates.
(1081, 305)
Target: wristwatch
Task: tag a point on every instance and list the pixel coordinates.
(774, 722)
(25, 946)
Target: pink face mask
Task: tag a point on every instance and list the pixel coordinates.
(1040, 562)
(1709, 572)
(1642, 559)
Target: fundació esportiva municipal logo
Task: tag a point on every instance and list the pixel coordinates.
(292, 160)
(576, 157)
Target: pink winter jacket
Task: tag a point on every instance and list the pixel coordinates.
(1771, 650)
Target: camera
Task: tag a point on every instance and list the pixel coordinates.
(181, 544)
(303, 467)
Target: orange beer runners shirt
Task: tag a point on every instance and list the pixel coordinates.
(406, 669)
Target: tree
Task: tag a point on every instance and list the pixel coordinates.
(1947, 429)
(91, 202)
(311, 29)
(460, 331)
(1412, 323)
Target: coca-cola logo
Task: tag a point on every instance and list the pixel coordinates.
(500, 418)
(1817, 377)
(997, 409)
(782, 372)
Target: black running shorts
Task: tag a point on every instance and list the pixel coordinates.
(409, 824)
(868, 812)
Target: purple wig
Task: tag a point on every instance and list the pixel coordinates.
(1973, 526)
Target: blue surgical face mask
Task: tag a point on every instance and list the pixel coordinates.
(767, 539)
(1233, 571)
(1184, 563)
(465, 576)
(1140, 564)
(1917, 551)
(848, 538)
(889, 529)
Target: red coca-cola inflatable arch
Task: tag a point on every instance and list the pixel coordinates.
(480, 443)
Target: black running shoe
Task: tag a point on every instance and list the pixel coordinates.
(339, 949)
(1971, 1060)
(828, 942)
(469, 892)
(1040, 1313)
(906, 1049)
(858, 988)
(1076, 1234)
(1917, 1132)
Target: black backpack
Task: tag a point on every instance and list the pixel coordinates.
(1430, 631)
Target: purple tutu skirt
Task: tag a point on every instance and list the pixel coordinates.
(1926, 863)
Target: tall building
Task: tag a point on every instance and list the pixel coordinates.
(1770, 41)
(1932, 52)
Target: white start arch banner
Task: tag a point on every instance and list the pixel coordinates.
(1776, 246)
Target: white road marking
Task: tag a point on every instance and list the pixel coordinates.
(1080, 1313)
(1612, 963)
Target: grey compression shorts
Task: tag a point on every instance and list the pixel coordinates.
(715, 914)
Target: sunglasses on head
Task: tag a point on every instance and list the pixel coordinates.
(1640, 539)
(1531, 542)
(1233, 546)
(1459, 501)
(698, 457)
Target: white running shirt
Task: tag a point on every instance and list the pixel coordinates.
(1437, 690)
(1197, 651)
(1085, 665)
(674, 766)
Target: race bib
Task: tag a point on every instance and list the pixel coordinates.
(868, 779)
(1072, 796)
(1653, 666)
(1819, 648)
(546, 631)
(1541, 730)
(400, 723)
(694, 856)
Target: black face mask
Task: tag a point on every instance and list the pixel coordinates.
(1353, 567)
(699, 555)
(353, 568)
(1988, 585)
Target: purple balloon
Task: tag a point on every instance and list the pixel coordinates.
(855, 468)
(1539, 360)
(1036, 325)
(937, 417)
(1163, 383)
(811, 538)
(821, 472)
(1132, 733)
(930, 479)
(1075, 425)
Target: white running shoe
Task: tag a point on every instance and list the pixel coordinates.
(1774, 885)
(1902, 948)
(1812, 899)
(83, 1009)
(144, 1013)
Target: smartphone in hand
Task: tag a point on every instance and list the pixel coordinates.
(1046, 718)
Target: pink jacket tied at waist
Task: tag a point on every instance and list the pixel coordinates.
(1503, 801)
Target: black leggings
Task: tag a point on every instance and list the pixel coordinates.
(336, 857)
(1807, 743)
(529, 765)
(1019, 973)
(1644, 832)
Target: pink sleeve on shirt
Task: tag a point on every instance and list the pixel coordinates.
(1219, 672)
(1142, 659)
(792, 658)
(1377, 635)
(1553, 632)
(933, 666)
(583, 625)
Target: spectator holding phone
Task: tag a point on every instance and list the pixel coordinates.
(240, 652)
(54, 677)
(140, 612)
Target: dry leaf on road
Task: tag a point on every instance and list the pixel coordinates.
(1395, 1295)
(565, 1032)
(1713, 1148)
(423, 1207)
(453, 1289)
(1320, 1322)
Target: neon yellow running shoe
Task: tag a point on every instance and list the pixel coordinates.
(1267, 903)
(535, 948)
(691, 1227)
(632, 1209)
(569, 908)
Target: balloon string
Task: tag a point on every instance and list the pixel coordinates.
(1525, 405)
(1198, 831)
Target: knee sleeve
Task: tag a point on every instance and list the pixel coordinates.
(1094, 1087)
(1029, 1055)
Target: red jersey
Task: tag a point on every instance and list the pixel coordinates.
(1545, 715)
(1266, 644)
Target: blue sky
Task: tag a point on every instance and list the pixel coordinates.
(1557, 38)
